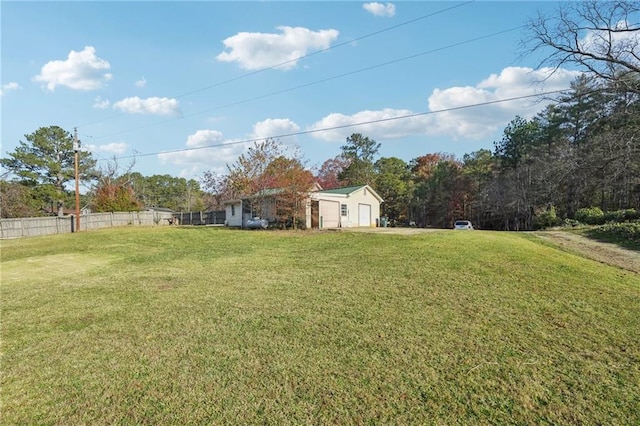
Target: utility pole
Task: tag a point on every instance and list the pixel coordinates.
(76, 148)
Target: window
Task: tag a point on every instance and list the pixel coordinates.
(233, 210)
(343, 209)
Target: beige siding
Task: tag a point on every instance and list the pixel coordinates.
(362, 196)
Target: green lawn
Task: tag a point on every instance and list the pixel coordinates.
(203, 325)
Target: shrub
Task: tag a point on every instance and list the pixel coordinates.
(546, 219)
(620, 215)
(570, 223)
(627, 232)
(632, 214)
(590, 216)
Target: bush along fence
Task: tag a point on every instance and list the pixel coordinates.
(39, 226)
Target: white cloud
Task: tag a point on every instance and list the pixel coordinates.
(208, 149)
(480, 122)
(622, 43)
(379, 124)
(100, 103)
(81, 71)
(449, 116)
(520, 81)
(142, 82)
(203, 138)
(274, 127)
(261, 50)
(380, 9)
(111, 148)
(197, 158)
(11, 86)
(153, 105)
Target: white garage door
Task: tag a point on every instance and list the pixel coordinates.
(364, 215)
(329, 214)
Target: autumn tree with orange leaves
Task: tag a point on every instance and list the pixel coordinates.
(114, 191)
(291, 183)
(328, 174)
(274, 184)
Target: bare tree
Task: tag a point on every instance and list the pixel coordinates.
(114, 191)
(247, 177)
(601, 37)
(218, 189)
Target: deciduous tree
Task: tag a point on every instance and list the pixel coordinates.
(600, 37)
(291, 182)
(168, 191)
(18, 200)
(114, 190)
(217, 189)
(247, 174)
(328, 175)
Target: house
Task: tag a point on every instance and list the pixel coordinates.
(349, 207)
(65, 211)
(263, 204)
(334, 208)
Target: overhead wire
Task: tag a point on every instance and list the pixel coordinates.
(245, 141)
(313, 83)
(317, 52)
(344, 126)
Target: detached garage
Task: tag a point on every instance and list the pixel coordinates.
(345, 207)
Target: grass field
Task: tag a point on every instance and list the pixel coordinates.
(203, 325)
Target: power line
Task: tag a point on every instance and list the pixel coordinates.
(324, 80)
(317, 52)
(344, 126)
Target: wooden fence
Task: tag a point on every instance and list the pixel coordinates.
(38, 226)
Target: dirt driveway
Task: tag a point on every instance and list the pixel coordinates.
(610, 254)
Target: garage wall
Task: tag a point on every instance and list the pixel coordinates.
(330, 204)
(362, 197)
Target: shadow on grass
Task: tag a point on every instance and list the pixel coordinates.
(624, 240)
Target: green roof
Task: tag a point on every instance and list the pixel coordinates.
(346, 190)
(350, 190)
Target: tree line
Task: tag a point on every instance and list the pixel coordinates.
(581, 151)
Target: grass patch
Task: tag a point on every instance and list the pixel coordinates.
(626, 234)
(210, 326)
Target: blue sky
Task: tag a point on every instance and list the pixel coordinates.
(162, 81)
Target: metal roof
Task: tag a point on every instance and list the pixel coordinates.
(350, 190)
(345, 190)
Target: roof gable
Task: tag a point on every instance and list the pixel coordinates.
(348, 190)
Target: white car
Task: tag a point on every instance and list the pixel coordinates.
(462, 224)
